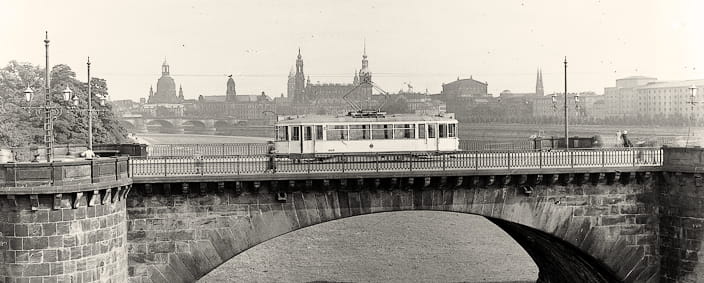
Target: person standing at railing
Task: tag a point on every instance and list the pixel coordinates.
(626, 142)
(272, 157)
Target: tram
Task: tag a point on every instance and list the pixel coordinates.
(316, 136)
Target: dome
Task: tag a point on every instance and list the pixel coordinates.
(166, 86)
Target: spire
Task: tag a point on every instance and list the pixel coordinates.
(364, 55)
(299, 53)
(151, 91)
(180, 91)
(539, 90)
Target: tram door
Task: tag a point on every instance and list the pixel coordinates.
(433, 137)
(295, 143)
(307, 142)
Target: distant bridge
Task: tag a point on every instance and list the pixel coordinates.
(179, 125)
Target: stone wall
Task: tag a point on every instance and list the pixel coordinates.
(584, 227)
(64, 221)
(682, 215)
(64, 244)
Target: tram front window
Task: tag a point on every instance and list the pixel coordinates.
(295, 133)
(319, 132)
(431, 131)
(421, 131)
(442, 130)
(308, 133)
(452, 130)
(282, 133)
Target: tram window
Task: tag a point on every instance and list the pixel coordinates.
(282, 133)
(431, 131)
(452, 130)
(421, 131)
(337, 132)
(295, 133)
(308, 133)
(404, 131)
(442, 130)
(319, 132)
(382, 132)
(359, 132)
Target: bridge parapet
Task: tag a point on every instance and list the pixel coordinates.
(64, 221)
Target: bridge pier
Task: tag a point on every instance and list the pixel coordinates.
(64, 221)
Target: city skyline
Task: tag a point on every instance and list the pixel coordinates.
(418, 43)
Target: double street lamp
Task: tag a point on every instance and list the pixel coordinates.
(692, 102)
(576, 103)
(52, 111)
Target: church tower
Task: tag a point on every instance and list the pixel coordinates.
(365, 75)
(230, 93)
(180, 92)
(300, 80)
(365, 78)
(539, 83)
(291, 84)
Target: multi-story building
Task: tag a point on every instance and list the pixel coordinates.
(620, 100)
(669, 100)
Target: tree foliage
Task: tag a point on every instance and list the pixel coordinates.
(21, 127)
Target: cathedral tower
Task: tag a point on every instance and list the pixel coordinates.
(539, 83)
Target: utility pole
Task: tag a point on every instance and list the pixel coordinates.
(567, 133)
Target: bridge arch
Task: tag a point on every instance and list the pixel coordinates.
(568, 229)
(161, 126)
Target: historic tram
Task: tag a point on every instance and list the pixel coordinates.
(314, 136)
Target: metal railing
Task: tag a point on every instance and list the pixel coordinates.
(213, 149)
(393, 162)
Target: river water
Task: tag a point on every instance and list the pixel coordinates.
(412, 246)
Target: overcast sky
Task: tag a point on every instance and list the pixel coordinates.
(424, 43)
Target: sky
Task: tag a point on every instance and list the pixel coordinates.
(419, 43)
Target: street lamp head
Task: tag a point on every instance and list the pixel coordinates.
(75, 100)
(28, 92)
(102, 101)
(693, 90)
(67, 93)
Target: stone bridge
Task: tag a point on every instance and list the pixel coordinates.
(198, 125)
(596, 224)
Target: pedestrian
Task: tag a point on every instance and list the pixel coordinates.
(272, 157)
(626, 142)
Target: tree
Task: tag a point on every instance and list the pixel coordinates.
(20, 127)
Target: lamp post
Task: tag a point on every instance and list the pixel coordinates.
(50, 110)
(692, 102)
(576, 102)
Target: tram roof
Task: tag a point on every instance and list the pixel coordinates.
(313, 119)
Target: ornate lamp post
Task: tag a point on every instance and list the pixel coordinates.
(50, 110)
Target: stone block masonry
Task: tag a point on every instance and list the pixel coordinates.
(64, 221)
(577, 227)
(72, 242)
